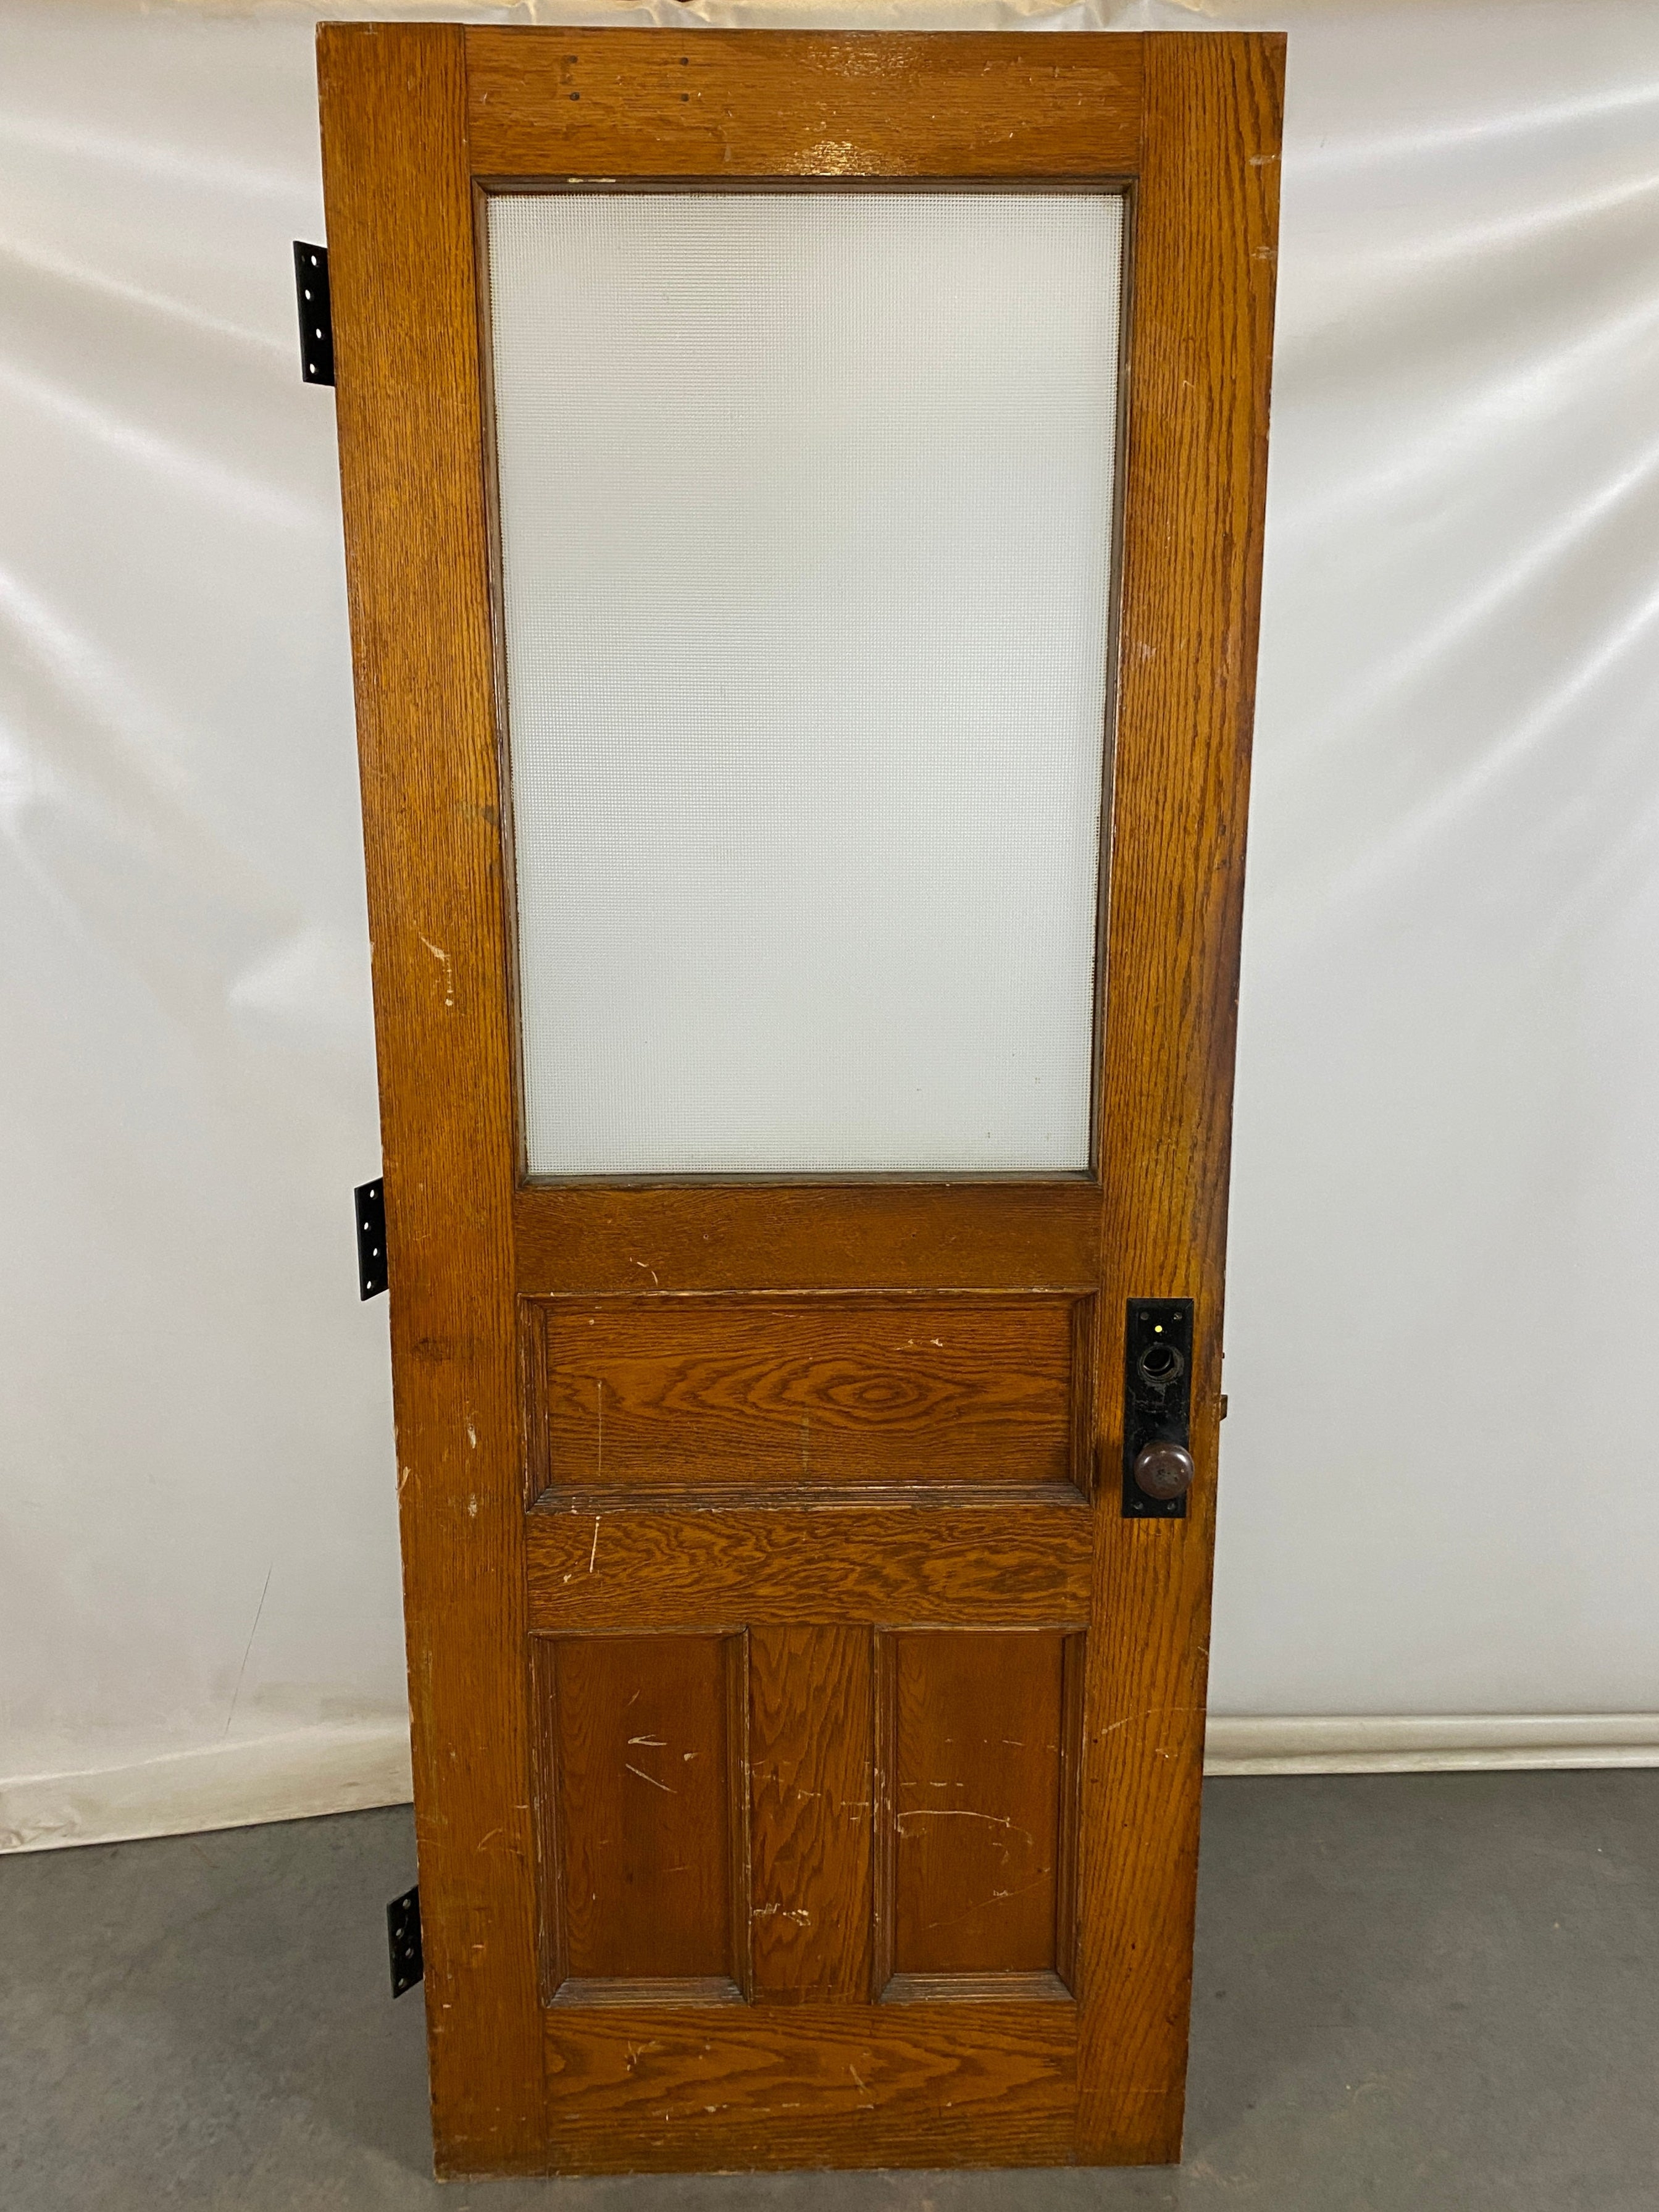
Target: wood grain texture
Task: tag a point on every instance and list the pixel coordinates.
(973, 1789)
(811, 1754)
(401, 268)
(589, 1239)
(643, 2069)
(783, 104)
(1201, 355)
(642, 1781)
(969, 1562)
(642, 2090)
(789, 1392)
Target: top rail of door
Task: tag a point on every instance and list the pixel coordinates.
(833, 106)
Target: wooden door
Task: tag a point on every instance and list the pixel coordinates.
(808, 1714)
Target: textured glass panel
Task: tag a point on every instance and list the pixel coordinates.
(805, 523)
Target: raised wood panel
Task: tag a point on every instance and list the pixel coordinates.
(811, 1783)
(643, 1766)
(656, 2089)
(622, 1565)
(791, 1392)
(727, 104)
(590, 1239)
(972, 1769)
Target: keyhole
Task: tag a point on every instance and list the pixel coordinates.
(1159, 1365)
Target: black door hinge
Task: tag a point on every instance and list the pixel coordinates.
(402, 1931)
(316, 312)
(369, 1200)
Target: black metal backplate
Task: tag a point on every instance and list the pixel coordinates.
(1157, 1388)
(403, 1929)
(316, 312)
(369, 1199)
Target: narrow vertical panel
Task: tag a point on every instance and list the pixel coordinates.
(642, 1737)
(394, 103)
(1200, 355)
(973, 1775)
(810, 1757)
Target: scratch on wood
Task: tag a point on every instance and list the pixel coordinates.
(653, 1780)
(959, 1812)
(1152, 1713)
(448, 967)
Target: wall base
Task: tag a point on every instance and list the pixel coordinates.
(1415, 1743)
(332, 1767)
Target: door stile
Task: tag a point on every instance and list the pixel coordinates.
(1195, 494)
(398, 196)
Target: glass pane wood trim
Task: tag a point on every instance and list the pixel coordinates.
(805, 510)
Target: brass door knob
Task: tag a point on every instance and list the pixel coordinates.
(1164, 1470)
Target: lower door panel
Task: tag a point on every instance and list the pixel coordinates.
(809, 1893)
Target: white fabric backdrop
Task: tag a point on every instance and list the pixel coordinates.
(1445, 1178)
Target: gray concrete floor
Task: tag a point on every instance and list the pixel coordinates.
(1412, 1992)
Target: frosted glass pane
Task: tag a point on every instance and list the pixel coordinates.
(805, 507)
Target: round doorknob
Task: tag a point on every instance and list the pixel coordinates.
(1164, 1470)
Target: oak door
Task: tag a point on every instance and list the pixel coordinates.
(803, 501)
